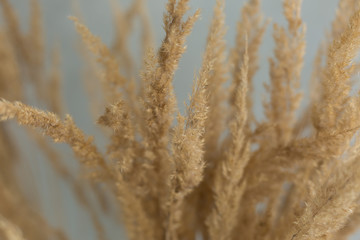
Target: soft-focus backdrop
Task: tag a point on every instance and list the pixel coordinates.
(57, 204)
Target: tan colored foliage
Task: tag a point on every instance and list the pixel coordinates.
(216, 170)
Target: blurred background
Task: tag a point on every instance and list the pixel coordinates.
(57, 203)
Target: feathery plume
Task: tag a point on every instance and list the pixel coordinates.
(252, 25)
(285, 72)
(228, 185)
(59, 131)
(11, 231)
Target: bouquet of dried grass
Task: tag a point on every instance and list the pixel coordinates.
(217, 172)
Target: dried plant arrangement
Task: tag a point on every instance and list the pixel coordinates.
(215, 172)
